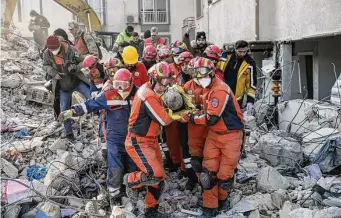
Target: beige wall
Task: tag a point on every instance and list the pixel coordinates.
(292, 20)
(179, 10)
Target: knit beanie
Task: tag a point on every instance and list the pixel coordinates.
(200, 35)
(52, 42)
(61, 32)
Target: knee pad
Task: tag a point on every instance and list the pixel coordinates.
(226, 184)
(206, 179)
(197, 164)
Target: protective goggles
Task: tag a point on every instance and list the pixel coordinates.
(149, 55)
(165, 81)
(111, 71)
(177, 50)
(164, 53)
(202, 71)
(122, 85)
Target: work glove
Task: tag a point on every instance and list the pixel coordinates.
(65, 115)
(249, 107)
(94, 94)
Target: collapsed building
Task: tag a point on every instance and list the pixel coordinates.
(292, 168)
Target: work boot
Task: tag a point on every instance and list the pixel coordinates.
(182, 174)
(224, 205)
(154, 213)
(69, 136)
(169, 163)
(209, 212)
(192, 179)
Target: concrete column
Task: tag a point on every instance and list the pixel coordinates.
(285, 59)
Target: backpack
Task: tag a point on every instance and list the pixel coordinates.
(100, 55)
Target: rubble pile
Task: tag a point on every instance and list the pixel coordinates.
(43, 173)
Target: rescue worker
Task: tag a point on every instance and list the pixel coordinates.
(85, 43)
(200, 43)
(62, 63)
(154, 40)
(124, 36)
(39, 26)
(149, 56)
(148, 114)
(225, 121)
(182, 61)
(177, 48)
(111, 66)
(95, 71)
(137, 43)
(117, 102)
(240, 74)
(138, 70)
(213, 53)
(171, 143)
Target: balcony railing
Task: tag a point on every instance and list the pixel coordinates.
(154, 17)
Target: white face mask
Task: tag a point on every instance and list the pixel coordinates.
(33, 18)
(123, 94)
(196, 81)
(204, 82)
(55, 52)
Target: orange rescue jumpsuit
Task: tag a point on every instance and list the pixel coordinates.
(147, 114)
(225, 122)
(196, 133)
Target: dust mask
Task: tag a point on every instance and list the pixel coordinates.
(123, 94)
(55, 52)
(196, 81)
(204, 82)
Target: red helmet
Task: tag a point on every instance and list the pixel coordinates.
(161, 73)
(122, 80)
(191, 63)
(90, 62)
(178, 47)
(185, 57)
(165, 52)
(213, 52)
(111, 65)
(149, 52)
(202, 67)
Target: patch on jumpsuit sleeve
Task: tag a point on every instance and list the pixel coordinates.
(215, 102)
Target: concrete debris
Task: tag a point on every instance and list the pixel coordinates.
(252, 202)
(278, 198)
(60, 143)
(13, 81)
(279, 150)
(330, 212)
(10, 170)
(255, 214)
(269, 179)
(314, 141)
(286, 209)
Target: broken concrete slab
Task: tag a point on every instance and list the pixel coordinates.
(254, 214)
(286, 209)
(269, 179)
(301, 213)
(60, 143)
(253, 202)
(330, 212)
(12, 81)
(10, 170)
(278, 150)
(279, 197)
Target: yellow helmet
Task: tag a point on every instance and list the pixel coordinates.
(130, 55)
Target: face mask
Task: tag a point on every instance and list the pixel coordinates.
(196, 81)
(33, 18)
(55, 52)
(123, 94)
(176, 59)
(204, 82)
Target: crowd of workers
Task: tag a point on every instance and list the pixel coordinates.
(201, 140)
